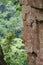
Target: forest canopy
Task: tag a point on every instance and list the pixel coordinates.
(11, 32)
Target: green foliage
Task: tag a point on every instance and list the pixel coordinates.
(10, 19)
(13, 1)
(11, 29)
(4, 1)
(18, 7)
(14, 51)
(10, 36)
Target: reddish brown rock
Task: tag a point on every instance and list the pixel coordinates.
(33, 3)
(32, 15)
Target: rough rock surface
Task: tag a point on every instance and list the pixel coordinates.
(32, 15)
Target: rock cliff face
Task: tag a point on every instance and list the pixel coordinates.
(33, 3)
(32, 15)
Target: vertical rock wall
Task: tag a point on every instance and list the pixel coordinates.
(33, 30)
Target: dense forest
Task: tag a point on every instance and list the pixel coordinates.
(11, 32)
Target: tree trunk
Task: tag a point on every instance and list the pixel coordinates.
(2, 62)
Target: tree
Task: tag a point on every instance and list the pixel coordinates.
(14, 50)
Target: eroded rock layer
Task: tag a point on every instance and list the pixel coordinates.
(32, 15)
